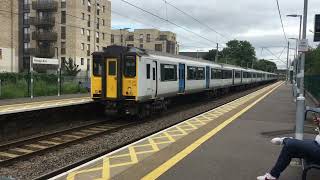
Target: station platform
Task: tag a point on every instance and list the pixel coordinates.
(8, 106)
(228, 142)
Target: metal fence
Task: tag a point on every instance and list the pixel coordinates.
(312, 84)
(18, 85)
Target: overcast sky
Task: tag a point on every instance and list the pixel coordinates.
(254, 20)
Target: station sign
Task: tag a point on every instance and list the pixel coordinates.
(45, 61)
(303, 45)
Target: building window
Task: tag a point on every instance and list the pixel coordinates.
(103, 22)
(63, 32)
(89, 5)
(112, 38)
(82, 31)
(163, 37)
(103, 36)
(103, 9)
(141, 46)
(88, 47)
(89, 19)
(63, 48)
(141, 38)
(88, 35)
(63, 17)
(83, 2)
(168, 72)
(97, 37)
(98, 22)
(88, 65)
(82, 15)
(26, 45)
(82, 61)
(130, 38)
(98, 9)
(158, 47)
(148, 37)
(63, 4)
(82, 46)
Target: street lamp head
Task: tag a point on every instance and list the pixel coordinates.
(294, 39)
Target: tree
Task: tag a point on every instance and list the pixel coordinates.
(312, 66)
(211, 55)
(70, 68)
(265, 65)
(240, 53)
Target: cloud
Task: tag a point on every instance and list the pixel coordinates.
(253, 20)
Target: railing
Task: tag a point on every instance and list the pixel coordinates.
(45, 52)
(44, 36)
(45, 5)
(44, 21)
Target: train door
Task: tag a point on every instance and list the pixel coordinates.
(233, 76)
(207, 77)
(182, 78)
(111, 78)
(154, 79)
(241, 76)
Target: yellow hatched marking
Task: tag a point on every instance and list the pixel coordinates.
(133, 156)
(193, 126)
(10, 155)
(71, 136)
(106, 169)
(119, 156)
(153, 144)
(71, 175)
(49, 142)
(22, 150)
(36, 146)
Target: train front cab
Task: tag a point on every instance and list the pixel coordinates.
(114, 76)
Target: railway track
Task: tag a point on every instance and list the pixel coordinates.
(33, 146)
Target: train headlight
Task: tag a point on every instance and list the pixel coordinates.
(129, 91)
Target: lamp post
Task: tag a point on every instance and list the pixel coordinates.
(301, 99)
(300, 26)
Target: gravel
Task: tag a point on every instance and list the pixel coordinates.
(42, 164)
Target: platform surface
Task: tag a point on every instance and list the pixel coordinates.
(229, 142)
(8, 106)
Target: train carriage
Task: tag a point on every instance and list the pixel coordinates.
(134, 81)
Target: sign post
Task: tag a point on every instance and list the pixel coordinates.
(44, 61)
(31, 77)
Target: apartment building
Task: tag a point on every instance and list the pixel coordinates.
(9, 36)
(151, 39)
(63, 29)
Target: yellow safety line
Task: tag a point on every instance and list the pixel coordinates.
(178, 157)
(43, 102)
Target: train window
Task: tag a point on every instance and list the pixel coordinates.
(216, 74)
(226, 74)
(130, 66)
(97, 68)
(154, 73)
(200, 73)
(237, 74)
(112, 68)
(148, 71)
(168, 72)
(192, 73)
(244, 75)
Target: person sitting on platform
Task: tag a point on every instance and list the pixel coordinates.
(294, 148)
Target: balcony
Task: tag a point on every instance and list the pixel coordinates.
(45, 5)
(44, 52)
(42, 22)
(26, 37)
(26, 8)
(44, 36)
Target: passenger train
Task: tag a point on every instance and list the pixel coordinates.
(138, 82)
